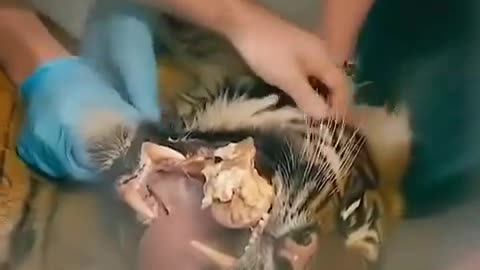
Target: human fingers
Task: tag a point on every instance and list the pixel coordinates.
(131, 47)
(298, 87)
(50, 150)
(32, 152)
(119, 43)
(339, 101)
(63, 101)
(318, 64)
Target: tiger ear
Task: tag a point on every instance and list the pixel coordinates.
(156, 153)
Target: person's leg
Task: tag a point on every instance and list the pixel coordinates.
(413, 53)
(423, 60)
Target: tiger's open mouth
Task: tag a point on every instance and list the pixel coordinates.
(166, 243)
(227, 183)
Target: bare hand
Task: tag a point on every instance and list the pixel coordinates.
(285, 56)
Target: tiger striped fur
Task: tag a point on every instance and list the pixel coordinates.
(329, 173)
(39, 216)
(374, 151)
(327, 170)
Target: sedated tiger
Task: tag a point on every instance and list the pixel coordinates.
(336, 183)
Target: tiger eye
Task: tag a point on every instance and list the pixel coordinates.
(303, 237)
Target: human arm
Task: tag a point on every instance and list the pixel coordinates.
(265, 40)
(340, 24)
(64, 95)
(29, 43)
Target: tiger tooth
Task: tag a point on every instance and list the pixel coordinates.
(256, 231)
(225, 261)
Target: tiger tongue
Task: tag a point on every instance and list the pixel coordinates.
(166, 243)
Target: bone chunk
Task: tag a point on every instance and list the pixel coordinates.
(237, 194)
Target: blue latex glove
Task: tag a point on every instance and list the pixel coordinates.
(119, 43)
(64, 96)
(63, 100)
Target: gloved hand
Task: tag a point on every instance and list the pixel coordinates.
(63, 97)
(119, 43)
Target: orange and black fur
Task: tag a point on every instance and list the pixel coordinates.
(50, 226)
(386, 134)
(340, 179)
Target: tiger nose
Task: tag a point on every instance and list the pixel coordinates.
(295, 252)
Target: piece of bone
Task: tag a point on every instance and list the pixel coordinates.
(237, 194)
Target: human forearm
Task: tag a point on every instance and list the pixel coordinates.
(229, 18)
(25, 43)
(341, 22)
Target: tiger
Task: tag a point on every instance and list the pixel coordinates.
(367, 163)
(43, 219)
(205, 55)
(49, 213)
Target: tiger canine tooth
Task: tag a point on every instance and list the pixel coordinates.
(223, 260)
